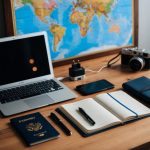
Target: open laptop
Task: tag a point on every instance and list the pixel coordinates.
(26, 75)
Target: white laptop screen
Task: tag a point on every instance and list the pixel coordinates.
(23, 59)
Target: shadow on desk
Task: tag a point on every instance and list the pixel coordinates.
(123, 69)
(145, 146)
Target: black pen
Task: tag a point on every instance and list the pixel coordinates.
(60, 124)
(86, 116)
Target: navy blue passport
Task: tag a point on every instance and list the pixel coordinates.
(34, 128)
(139, 88)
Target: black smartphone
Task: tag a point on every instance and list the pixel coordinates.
(93, 87)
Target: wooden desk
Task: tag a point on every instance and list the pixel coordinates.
(123, 137)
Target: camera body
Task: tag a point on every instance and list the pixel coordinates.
(136, 59)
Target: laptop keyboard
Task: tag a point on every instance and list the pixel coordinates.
(28, 91)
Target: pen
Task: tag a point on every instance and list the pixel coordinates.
(60, 124)
(86, 116)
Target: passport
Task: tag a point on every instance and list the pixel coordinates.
(34, 128)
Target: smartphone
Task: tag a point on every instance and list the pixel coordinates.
(93, 87)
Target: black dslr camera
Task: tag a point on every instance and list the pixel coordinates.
(136, 59)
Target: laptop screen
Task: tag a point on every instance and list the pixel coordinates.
(23, 59)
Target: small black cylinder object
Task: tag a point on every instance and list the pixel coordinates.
(76, 72)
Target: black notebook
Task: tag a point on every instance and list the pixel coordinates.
(34, 128)
(107, 110)
(139, 87)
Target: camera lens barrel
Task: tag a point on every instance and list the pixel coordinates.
(136, 63)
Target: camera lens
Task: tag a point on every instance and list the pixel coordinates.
(137, 63)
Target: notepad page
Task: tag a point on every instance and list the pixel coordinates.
(122, 104)
(98, 113)
(132, 103)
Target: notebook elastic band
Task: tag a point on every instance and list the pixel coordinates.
(122, 104)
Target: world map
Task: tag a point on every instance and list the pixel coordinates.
(77, 27)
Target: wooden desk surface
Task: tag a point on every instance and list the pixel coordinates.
(123, 137)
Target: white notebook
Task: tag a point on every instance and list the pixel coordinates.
(107, 110)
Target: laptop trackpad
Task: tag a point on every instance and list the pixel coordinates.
(39, 101)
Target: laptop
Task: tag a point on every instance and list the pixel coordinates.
(26, 75)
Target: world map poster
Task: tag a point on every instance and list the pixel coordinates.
(77, 27)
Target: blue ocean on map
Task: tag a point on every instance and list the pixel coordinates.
(72, 44)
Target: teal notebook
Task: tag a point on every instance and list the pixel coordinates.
(107, 110)
(139, 87)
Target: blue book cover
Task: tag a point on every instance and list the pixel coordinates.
(139, 87)
(34, 128)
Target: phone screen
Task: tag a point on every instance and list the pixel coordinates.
(94, 87)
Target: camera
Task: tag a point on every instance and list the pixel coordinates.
(136, 59)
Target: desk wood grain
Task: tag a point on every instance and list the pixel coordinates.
(123, 137)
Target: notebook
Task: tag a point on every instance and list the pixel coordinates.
(107, 110)
(27, 79)
(139, 87)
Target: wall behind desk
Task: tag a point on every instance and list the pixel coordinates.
(144, 24)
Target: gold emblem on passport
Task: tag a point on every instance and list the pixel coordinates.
(34, 127)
